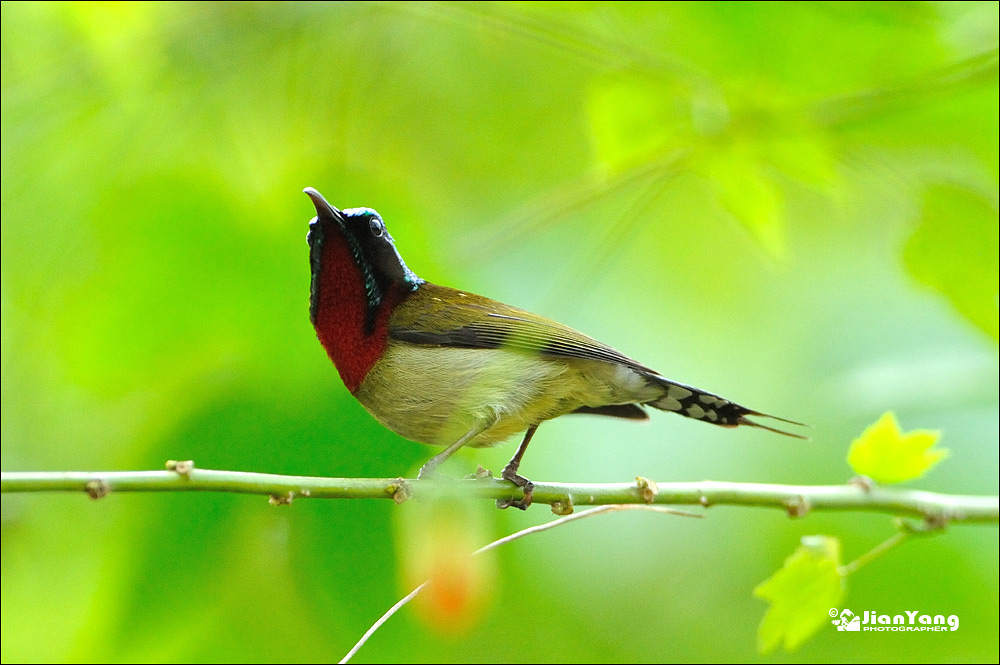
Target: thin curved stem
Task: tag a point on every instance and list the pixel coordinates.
(503, 541)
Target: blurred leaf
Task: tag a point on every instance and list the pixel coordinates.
(747, 190)
(635, 119)
(438, 535)
(887, 455)
(954, 251)
(801, 594)
(808, 158)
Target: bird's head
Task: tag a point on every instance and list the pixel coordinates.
(371, 248)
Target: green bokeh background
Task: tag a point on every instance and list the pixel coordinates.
(793, 205)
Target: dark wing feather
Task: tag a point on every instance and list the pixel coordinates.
(439, 316)
(630, 411)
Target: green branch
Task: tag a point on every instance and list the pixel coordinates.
(797, 500)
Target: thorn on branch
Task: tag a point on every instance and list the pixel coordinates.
(647, 488)
(864, 482)
(480, 474)
(797, 507)
(97, 489)
(182, 468)
(563, 507)
(400, 490)
(281, 499)
(936, 521)
(932, 523)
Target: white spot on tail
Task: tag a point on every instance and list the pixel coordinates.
(669, 403)
(678, 393)
(695, 411)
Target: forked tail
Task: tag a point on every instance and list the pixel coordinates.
(700, 405)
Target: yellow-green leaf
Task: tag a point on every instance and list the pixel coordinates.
(887, 455)
(634, 120)
(747, 190)
(801, 594)
(954, 251)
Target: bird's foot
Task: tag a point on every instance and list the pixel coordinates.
(427, 471)
(510, 473)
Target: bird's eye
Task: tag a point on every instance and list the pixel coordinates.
(376, 226)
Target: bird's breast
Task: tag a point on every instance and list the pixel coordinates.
(437, 394)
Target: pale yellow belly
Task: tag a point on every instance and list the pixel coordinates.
(436, 395)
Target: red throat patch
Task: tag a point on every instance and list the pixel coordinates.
(342, 312)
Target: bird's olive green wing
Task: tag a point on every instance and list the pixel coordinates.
(440, 316)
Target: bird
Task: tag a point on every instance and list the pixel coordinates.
(450, 368)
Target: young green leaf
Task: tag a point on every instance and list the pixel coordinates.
(634, 119)
(801, 594)
(887, 455)
(748, 190)
(954, 252)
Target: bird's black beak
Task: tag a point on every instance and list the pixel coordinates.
(323, 209)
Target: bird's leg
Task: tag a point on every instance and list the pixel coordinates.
(428, 469)
(510, 473)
